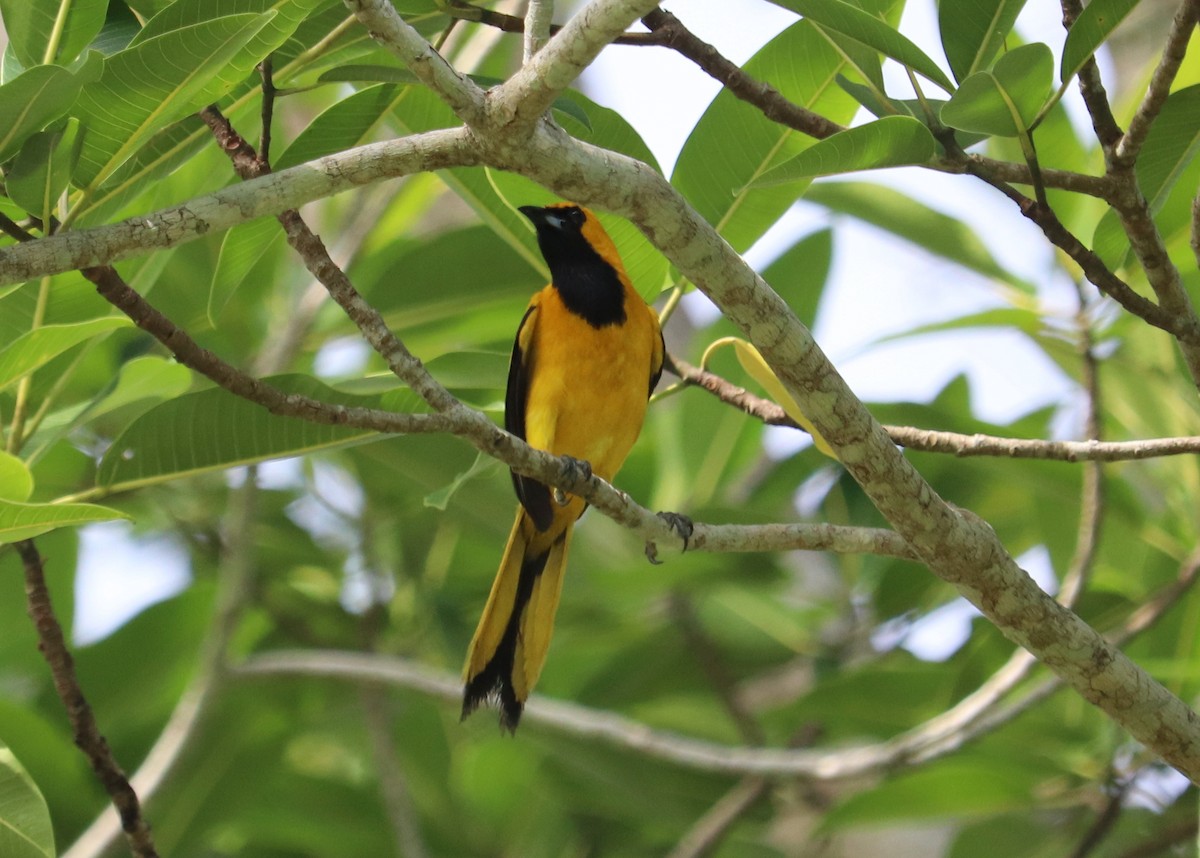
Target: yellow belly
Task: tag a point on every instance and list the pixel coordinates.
(589, 386)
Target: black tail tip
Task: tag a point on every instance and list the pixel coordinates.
(509, 707)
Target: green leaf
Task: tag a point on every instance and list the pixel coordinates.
(973, 32)
(25, 829)
(348, 123)
(871, 31)
(213, 429)
(733, 144)
(283, 17)
(31, 101)
(32, 25)
(154, 83)
(483, 464)
(1006, 99)
(241, 247)
(1091, 28)
(893, 141)
(146, 377)
(16, 483)
(26, 520)
(914, 107)
(904, 217)
(42, 169)
(35, 348)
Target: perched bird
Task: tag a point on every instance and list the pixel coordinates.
(586, 358)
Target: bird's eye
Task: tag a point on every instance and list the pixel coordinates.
(576, 216)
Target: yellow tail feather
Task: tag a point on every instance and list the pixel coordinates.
(513, 636)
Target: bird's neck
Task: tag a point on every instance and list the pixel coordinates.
(591, 290)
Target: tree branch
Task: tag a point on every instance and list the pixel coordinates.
(1091, 87)
(936, 738)
(84, 729)
(528, 94)
(673, 34)
(512, 24)
(670, 32)
(958, 547)
(268, 195)
(385, 25)
(954, 443)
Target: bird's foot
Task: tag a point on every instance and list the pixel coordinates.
(572, 469)
(678, 522)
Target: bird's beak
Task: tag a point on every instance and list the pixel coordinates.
(542, 217)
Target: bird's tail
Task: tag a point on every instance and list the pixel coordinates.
(510, 643)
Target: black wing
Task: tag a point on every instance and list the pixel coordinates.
(534, 496)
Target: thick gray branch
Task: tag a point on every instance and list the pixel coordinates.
(269, 195)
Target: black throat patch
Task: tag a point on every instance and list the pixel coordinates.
(590, 289)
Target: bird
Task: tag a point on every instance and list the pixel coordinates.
(588, 354)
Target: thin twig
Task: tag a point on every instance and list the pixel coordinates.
(461, 11)
(670, 32)
(1091, 87)
(1185, 328)
(85, 731)
(268, 110)
(674, 35)
(954, 443)
(116, 291)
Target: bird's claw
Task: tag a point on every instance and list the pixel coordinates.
(572, 469)
(683, 527)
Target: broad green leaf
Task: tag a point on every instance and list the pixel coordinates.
(483, 464)
(25, 829)
(283, 18)
(1169, 151)
(152, 84)
(146, 377)
(35, 348)
(162, 154)
(16, 483)
(901, 215)
(1006, 99)
(871, 31)
(42, 169)
(733, 144)
(51, 31)
(348, 123)
(31, 101)
(890, 142)
(26, 520)
(1091, 28)
(973, 31)
(241, 247)
(213, 429)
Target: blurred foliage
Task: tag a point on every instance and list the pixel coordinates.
(389, 544)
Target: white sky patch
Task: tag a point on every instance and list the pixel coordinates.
(120, 575)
